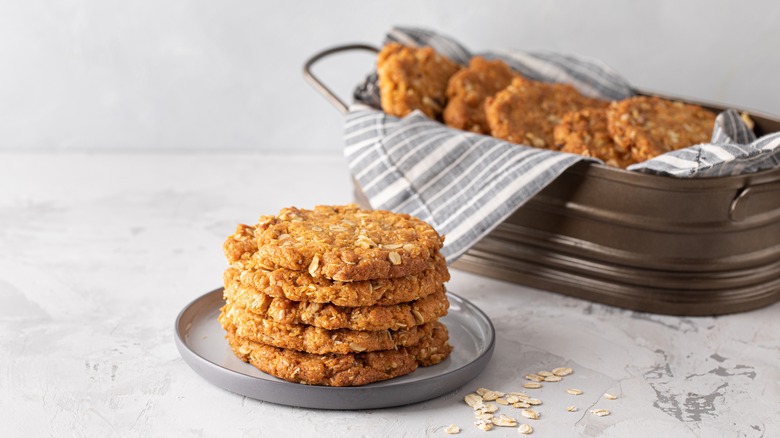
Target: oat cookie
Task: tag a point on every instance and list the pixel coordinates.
(346, 243)
(413, 78)
(241, 244)
(432, 349)
(585, 133)
(650, 126)
(332, 317)
(301, 286)
(316, 340)
(527, 111)
(341, 369)
(468, 89)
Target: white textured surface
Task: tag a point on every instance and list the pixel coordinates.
(184, 74)
(99, 253)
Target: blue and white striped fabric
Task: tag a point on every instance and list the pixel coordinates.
(465, 184)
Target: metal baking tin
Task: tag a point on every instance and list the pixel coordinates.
(651, 243)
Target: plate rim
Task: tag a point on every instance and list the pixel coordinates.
(203, 362)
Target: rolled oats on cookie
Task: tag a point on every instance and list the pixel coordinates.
(346, 243)
(332, 317)
(316, 340)
(649, 126)
(301, 286)
(352, 369)
(585, 133)
(526, 112)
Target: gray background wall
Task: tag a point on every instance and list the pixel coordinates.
(226, 75)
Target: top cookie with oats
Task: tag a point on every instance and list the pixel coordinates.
(346, 243)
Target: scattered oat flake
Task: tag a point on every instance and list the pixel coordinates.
(562, 371)
(482, 391)
(553, 379)
(600, 412)
(473, 400)
(489, 408)
(512, 399)
(484, 425)
(485, 417)
(609, 396)
(504, 420)
(534, 377)
(572, 408)
(525, 429)
(452, 429)
(545, 373)
(521, 404)
(534, 401)
(530, 413)
(532, 385)
(492, 395)
(502, 401)
(574, 391)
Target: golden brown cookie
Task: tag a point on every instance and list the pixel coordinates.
(301, 286)
(345, 243)
(353, 369)
(468, 89)
(241, 244)
(332, 317)
(317, 340)
(650, 126)
(585, 133)
(413, 78)
(527, 111)
(433, 348)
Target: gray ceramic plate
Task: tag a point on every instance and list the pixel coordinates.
(201, 342)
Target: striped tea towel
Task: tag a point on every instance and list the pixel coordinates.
(465, 184)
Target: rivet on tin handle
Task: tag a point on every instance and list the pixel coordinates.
(759, 202)
(317, 83)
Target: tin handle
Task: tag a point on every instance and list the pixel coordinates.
(758, 202)
(319, 85)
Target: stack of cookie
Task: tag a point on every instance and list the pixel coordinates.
(336, 296)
